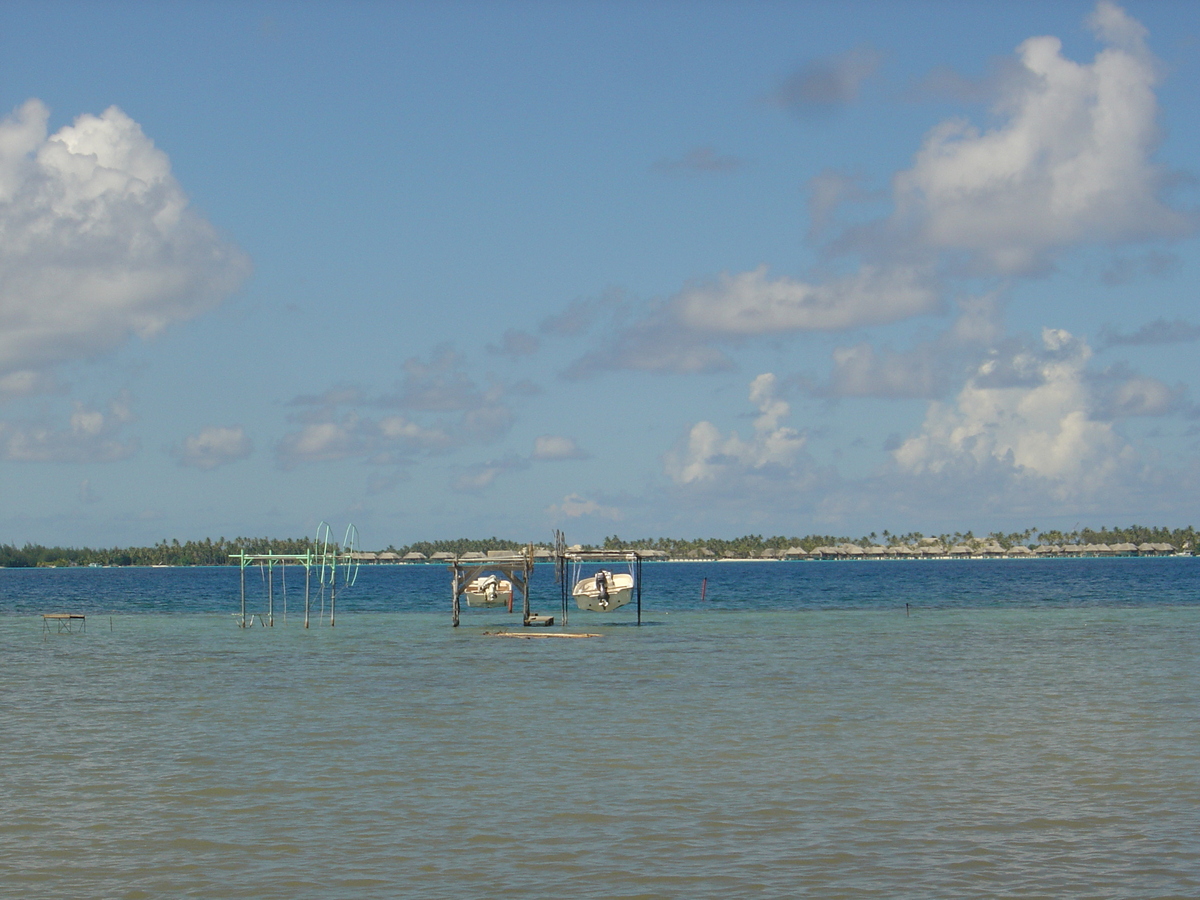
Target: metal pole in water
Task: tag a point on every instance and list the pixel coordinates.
(242, 566)
(271, 594)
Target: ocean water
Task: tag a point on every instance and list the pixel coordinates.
(1026, 729)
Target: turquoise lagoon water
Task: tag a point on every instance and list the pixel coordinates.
(1024, 729)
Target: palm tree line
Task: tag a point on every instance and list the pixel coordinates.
(210, 552)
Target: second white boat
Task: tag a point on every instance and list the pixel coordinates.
(603, 592)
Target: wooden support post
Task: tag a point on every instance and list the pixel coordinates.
(270, 593)
(454, 587)
(566, 593)
(528, 570)
(638, 568)
(242, 566)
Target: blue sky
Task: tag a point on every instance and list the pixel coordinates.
(637, 268)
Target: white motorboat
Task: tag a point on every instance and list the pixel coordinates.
(489, 591)
(603, 592)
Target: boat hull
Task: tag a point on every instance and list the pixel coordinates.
(588, 595)
(489, 592)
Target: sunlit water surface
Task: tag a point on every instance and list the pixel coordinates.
(799, 734)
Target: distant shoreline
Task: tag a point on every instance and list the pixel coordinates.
(841, 559)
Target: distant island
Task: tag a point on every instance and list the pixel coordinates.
(1134, 540)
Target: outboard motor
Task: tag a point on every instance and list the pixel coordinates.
(602, 586)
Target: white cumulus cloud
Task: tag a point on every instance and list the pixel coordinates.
(573, 506)
(708, 455)
(97, 241)
(92, 436)
(925, 370)
(750, 303)
(483, 475)
(443, 408)
(1070, 163)
(1032, 412)
(212, 447)
(553, 446)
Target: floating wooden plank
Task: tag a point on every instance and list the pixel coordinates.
(540, 620)
(539, 634)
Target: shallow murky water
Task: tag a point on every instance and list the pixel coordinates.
(833, 753)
